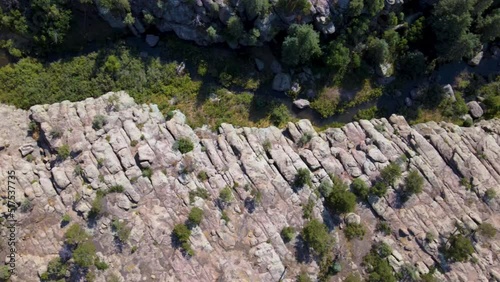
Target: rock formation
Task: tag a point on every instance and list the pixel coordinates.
(248, 247)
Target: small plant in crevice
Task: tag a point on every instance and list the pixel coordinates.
(287, 233)
(304, 139)
(302, 178)
(199, 192)
(182, 233)
(183, 145)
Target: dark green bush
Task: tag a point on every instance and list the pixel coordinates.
(359, 188)
(56, 270)
(101, 265)
(147, 172)
(315, 234)
(341, 200)
(184, 145)
(122, 232)
(98, 122)
(84, 254)
(460, 248)
(75, 235)
(63, 152)
(202, 175)
(302, 178)
(116, 189)
(301, 45)
(199, 192)
(195, 216)
(352, 231)
(414, 183)
(280, 115)
(287, 233)
(225, 195)
(390, 173)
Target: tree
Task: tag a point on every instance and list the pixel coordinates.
(489, 26)
(301, 45)
(279, 115)
(53, 22)
(195, 216)
(460, 248)
(413, 64)
(338, 56)
(316, 235)
(112, 66)
(225, 195)
(255, 8)
(234, 28)
(355, 7)
(378, 50)
(122, 232)
(450, 22)
(56, 270)
(374, 6)
(84, 255)
(341, 200)
(413, 183)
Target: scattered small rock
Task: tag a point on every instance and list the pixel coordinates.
(301, 103)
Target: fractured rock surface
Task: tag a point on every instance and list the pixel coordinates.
(137, 138)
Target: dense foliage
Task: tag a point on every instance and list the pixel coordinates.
(315, 234)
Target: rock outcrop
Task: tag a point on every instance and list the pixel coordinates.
(135, 138)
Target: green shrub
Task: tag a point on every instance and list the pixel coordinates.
(379, 189)
(254, 8)
(352, 231)
(122, 232)
(302, 178)
(304, 139)
(56, 133)
(97, 208)
(325, 188)
(341, 200)
(413, 183)
(147, 172)
(390, 173)
(287, 233)
(133, 143)
(116, 189)
(377, 265)
(56, 270)
(352, 278)
(303, 277)
(63, 152)
(490, 194)
(280, 115)
(367, 114)
(184, 145)
(224, 216)
(384, 227)
(202, 175)
(460, 248)
(26, 206)
(84, 254)
(307, 210)
(315, 234)
(294, 6)
(4, 273)
(75, 235)
(199, 192)
(359, 188)
(182, 233)
(487, 230)
(66, 219)
(195, 216)
(98, 122)
(101, 265)
(235, 29)
(225, 195)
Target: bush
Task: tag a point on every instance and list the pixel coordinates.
(116, 189)
(359, 188)
(256, 8)
(287, 233)
(122, 232)
(235, 29)
(352, 231)
(279, 115)
(384, 227)
(379, 189)
(352, 278)
(66, 219)
(26, 206)
(413, 183)
(199, 192)
(98, 122)
(301, 45)
(460, 248)
(341, 200)
(202, 175)
(195, 216)
(224, 216)
(184, 145)
(307, 210)
(63, 152)
(303, 277)
(133, 143)
(367, 114)
(182, 233)
(490, 194)
(56, 133)
(302, 178)
(84, 255)
(487, 230)
(101, 265)
(75, 235)
(304, 139)
(56, 270)
(316, 235)
(97, 208)
(225, 195)
(325, 188)
(147, 172)
(390, 173)
(377, 265)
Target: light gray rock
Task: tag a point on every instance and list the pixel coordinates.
(301, 103)
(477, 59)
(475, 109)
(353, 218)
(60, 177)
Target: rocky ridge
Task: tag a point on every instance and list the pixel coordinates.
(248, 247)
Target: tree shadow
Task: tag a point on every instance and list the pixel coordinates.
(302, 251)
(250, 204)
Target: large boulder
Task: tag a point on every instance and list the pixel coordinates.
(477, 59)
(301, 103)
(449, 93)
(282, 82)
(475, 109)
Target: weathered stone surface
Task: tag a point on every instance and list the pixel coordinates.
(249, 246)
(301, 103)
(475, 109)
